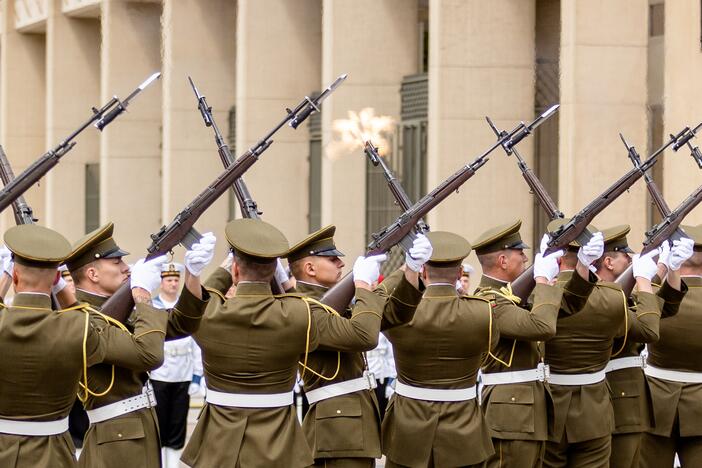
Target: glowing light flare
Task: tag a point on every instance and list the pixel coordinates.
(352, 133)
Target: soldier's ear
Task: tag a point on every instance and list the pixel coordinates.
(309, 268)
(92, 274)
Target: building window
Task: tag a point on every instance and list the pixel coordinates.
(407, 158)
(656, 20)
(92, 197)
(231, 197)
(314, 207)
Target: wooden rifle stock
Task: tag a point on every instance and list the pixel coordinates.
(340, 295)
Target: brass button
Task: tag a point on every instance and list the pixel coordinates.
(119, 434)
(623, 393)
(514, 399)
(338, 411)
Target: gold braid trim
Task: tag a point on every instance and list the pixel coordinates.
(216, 293)
(505, 292)
(626, 325)
(303, 365)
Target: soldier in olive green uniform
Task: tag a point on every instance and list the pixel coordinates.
(515, 392)
(251, 345)
(674, 373)
(45, 352)
(343, 425)
(123, 430)
(630, 395)
(578, 354)
(433, 419)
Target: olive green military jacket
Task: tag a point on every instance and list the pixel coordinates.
(132, 439)
(628, 388)
(442, 347)
(43, 359)
(349, 425)
(679, 348)
(583, 344)
(520, 411)
(251, 344)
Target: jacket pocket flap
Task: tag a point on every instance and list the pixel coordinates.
(624, 389)
(516, 394)
(341, 406)
(119, 429)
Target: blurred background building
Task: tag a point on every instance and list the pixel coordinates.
(436, 67)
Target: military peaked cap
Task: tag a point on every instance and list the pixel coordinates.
(615, 239)
(171, 269)
(319, 243)
(256, 240)
(694, 233)
(37, 246)
(96, 245)
(448, 249)
(505, 236)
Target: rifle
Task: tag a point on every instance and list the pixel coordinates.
(401, 197)
(249, 207)
(101, 118)
(524, 284)
(401, 230)
(570, 231)
(180, 230)
(670, 225)
(22, 211)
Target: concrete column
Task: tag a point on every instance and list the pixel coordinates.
(22, 103)
(603, 92)
(130, 148)
(72, 88)
(481, 62)
(207, 53)
(276, 66)
(683, 62)
(376, 49)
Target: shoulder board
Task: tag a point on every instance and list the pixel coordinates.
(81, 307)
(216, 293)
(613, 286)
(479, 298)
(486, 294)
(284, 295)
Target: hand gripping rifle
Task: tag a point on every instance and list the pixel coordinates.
(249, 207)
(524, 284)
(101, 118)
(669, 227)
(401, 231)
(570, 231)
(180, 230)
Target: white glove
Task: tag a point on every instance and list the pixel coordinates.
(547, 266)
(419, 254)
(644, 266)
(591, 251)
(367, 269)
(147, 275)
(281, 276)
(227, 263)
(193, 389)
(200, 255)
(664, 254)
(390, 388)
(681, 251)
(58, 285)
(6, 260)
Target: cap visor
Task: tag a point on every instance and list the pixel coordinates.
(116, 254)
(520, 245)
(329, 253)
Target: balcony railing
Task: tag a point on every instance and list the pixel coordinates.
(30, 15)
(81, 8)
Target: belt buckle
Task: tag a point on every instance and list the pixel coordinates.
(543, 371)
(370, 380)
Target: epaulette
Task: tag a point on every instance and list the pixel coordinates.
(613, 286)
(486, 295)
(81, 306)
(480, 298)
(284, 295)
(216, 293)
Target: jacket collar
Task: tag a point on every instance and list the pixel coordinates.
(246, 288)
(32, 300)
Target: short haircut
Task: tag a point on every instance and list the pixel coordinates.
(608, 254)
(488, 261)
(569, 260)
(443, 274)
(296, 267)
(255, 270)
(79, 274)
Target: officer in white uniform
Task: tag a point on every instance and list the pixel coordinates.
(178, 377)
